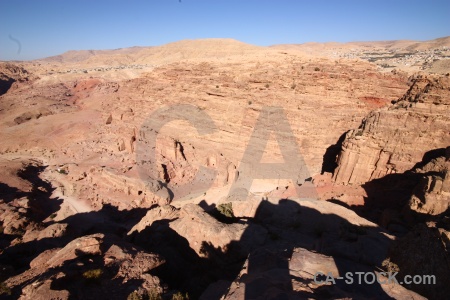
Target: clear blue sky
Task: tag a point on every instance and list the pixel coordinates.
(46, 28)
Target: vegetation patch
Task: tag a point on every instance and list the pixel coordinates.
(93, 275)
(390, 266)
(152, 294)
(226, 209)
(4, 289)
(180, 296)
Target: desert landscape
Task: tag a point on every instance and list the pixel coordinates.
(216, 169)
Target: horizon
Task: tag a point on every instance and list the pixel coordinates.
(53, 27)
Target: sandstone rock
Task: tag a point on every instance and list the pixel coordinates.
(133, 264)
(43, 291)
(380, 147)
(271, 274)
(209, 230)
(43, 258)
(86, 245)
(14, 222)
(159, 213)
(36, 114)
(432, 194)
(9, 74)
(422, 252)
(53, 231)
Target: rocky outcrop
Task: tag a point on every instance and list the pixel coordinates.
(432, 194)
(30, 115)
(211, 231)
(392, 139)
(88, 245)
(10, 73)
(269, 274)
(425, 251)
(98, 264)
(166, 212)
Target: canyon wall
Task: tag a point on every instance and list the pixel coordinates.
(393, 139)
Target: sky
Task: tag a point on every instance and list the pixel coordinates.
(31, 29)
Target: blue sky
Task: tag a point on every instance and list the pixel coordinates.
(46, 28)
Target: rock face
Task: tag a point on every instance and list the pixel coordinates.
(93, 127)
(89, 245)
(9, 74)
(400, 156)
(432, 195)
(425, 251)
(392, 139)
(265, 276)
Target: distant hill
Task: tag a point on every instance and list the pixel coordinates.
(216, 49)
(396, 44)
(181, 50)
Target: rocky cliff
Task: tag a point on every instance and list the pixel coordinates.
(10, 73)
(392, 139)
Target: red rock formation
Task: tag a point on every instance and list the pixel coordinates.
(393, 139)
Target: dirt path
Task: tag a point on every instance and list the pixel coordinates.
(64, 190)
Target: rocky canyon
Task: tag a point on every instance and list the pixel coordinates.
(215, 169)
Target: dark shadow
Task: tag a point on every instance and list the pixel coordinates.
(219, 212)
(284, 222)
(269, 242)
(36, 205)
(72, 276)
(207, 207)
(429, 156)
(5, 85)
(394, 191)
(107, 286)
(329, 163)
(339, 202)
(184, 269)
(41, 204)
(421, 247)
(8, 193)
(109, 220)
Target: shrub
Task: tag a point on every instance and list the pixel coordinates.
(134, 296)
(152, 294)
(267, 85)
(180, 296)
(17, 231)
(226, 209)
(359, 133)
(390, 266)
(4, 289)
(249, 102)
(316, 69)
(386, 66)
(93, 275)
(61, 171)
